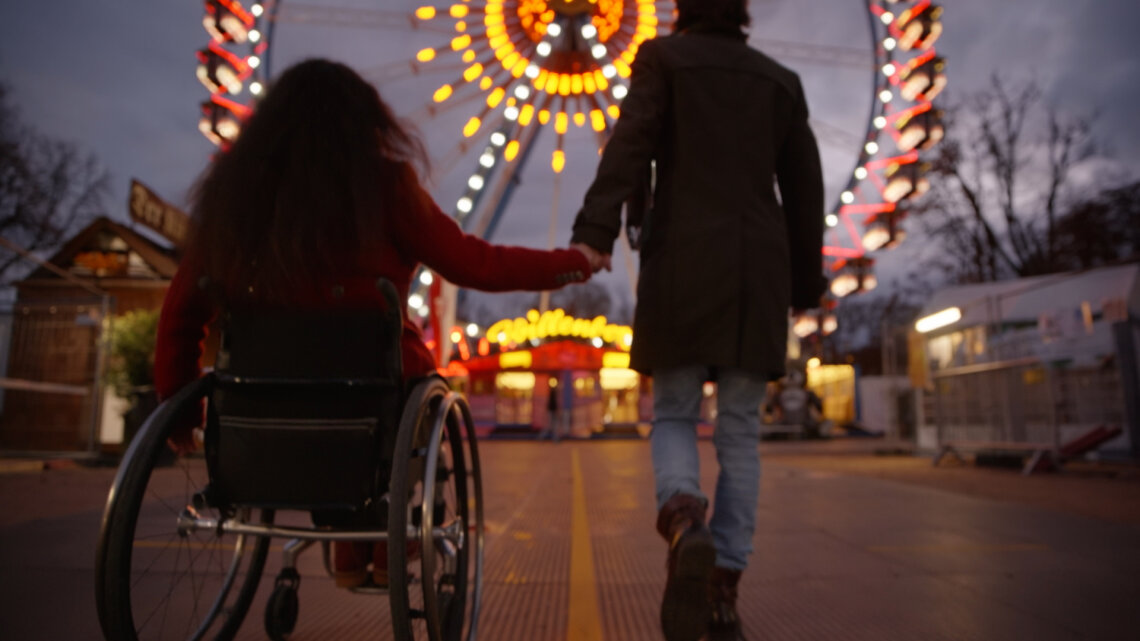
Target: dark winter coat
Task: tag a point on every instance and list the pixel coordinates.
(721, 259)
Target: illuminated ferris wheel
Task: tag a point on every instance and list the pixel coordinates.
(503, 71)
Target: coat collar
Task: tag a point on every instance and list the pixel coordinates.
(717, 29)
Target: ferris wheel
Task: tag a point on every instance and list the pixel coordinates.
(498, 73)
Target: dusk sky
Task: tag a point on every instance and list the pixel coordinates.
(117, 79)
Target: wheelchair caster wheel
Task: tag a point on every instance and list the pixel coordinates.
(282, 608)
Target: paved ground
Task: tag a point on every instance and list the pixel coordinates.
(850, 546)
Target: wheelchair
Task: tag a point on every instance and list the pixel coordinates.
(311, 443)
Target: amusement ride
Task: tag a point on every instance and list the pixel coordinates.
(513, 69)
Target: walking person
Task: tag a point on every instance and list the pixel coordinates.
(316, 201)
(723, 257)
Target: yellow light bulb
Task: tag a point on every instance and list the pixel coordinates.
(458, 11)
(558, 162)
(579, 119)
(597, 120)
(560, 122)
(496, 97)
(471, 127)
(512, 150)
(473, 72)
(425, 13)
(426, 55)
(543, 117)
(443, 93)
(460, 42)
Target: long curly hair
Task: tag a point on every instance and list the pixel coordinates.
(307, 186)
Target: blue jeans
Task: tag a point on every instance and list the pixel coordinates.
(676, 464)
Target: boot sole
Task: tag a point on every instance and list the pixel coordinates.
(685, 609)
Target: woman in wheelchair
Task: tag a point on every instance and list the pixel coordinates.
(316, 202)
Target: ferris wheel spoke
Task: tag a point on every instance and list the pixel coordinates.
(834, 134)
(382, 74)
(829, 55)
(355, 17)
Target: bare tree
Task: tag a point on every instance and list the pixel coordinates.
(1001, 181)
(48, 188)
(1101, 230)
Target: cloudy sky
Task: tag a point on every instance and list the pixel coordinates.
(117, 78)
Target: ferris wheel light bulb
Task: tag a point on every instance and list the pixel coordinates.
(880, 122)
(589, 31)
(498, 139)
(487, 161)
(475, 182)
(885, 95)
(620, 91)
(511, 113)
(609, 71)
(847, 197)
(257, 10)
(871, 148)
(831, 220)
(543, 49)
(522, 92)
(598, 51)
(255, 88)
(254, 35)
(415, 301)
(464, 205)
(889, 69)
(889, 44)
(860, 173)
(887, 17)
(532, 71)
(254, 62)
(553, 30)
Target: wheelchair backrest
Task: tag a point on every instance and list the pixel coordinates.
(305, 408)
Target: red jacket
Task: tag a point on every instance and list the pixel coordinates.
(432, 238)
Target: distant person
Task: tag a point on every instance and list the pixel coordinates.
(723, 257)
(553, 413)
(318, 199)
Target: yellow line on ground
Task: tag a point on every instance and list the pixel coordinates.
(584, 622)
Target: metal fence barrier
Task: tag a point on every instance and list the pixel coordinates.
(1021, 406)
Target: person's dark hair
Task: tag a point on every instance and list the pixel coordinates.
(310, 181)
(722, 14)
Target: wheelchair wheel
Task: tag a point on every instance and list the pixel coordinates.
(435, 523)
(155, 579)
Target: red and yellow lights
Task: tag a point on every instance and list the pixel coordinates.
(518, 54)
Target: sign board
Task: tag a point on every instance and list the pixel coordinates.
(166, 219)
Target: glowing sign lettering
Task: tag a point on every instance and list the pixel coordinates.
(556, 324)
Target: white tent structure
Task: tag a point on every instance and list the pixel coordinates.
(1036, 360)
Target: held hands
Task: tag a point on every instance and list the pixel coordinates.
(598, 260)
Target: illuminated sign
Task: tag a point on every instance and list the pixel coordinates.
(147, 208)
(556, 324)
(508, 360)
(615, 360)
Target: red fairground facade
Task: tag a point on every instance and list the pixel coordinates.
(517, 365)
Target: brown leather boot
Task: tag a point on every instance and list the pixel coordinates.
(685, 608)
(724, 624)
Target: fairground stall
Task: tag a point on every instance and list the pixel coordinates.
(548, 373)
